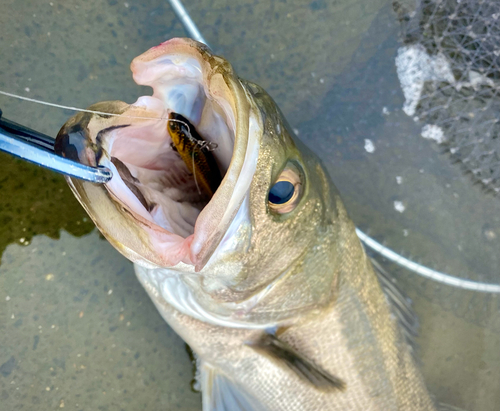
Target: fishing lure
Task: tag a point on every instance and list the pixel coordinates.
(195, 152)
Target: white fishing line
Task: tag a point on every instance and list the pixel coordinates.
(46, 103)
(187, 21)
(425, 271)
(209, 146)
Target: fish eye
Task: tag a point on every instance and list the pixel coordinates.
(284, 195)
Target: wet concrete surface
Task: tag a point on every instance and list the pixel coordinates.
(77, 330)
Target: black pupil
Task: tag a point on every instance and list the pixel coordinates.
(281, 192)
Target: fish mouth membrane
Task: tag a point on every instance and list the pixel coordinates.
(155, 178)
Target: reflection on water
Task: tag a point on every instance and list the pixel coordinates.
(330, 66)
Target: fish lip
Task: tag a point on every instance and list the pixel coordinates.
(224, 87)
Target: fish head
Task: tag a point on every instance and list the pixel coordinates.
(273, 223)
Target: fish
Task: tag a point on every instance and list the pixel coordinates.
(264, 278)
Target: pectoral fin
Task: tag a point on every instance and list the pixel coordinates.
(220, 393)
(275, 348)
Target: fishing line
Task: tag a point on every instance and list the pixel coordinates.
(208, 145)
(424, 271)
(103, 113)
(187, 21)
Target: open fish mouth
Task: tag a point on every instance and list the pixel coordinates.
(152, 178)
(175, 174)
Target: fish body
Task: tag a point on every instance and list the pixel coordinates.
(270, 287)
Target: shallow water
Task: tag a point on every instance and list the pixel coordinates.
(78, 330)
